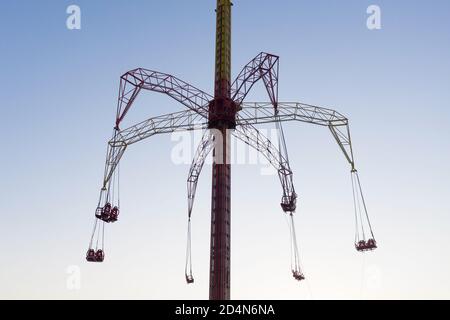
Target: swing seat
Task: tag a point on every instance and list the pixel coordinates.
(98, 212)
(371, 244)
(189, 279)
(298, 275)
(114, 215)
(99, 256)
(105, 213)
(90, 255)
(288, 204)
(368, 245)
(288, 207)
(95, 256)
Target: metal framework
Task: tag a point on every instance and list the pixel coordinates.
(220, 116)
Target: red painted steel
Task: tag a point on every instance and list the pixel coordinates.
(222, 117)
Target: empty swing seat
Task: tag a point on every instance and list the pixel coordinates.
(98, 212)
(288, 204)
(368, 245)
(288, 207)
(189, 279)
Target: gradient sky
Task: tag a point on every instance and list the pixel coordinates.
(58, 93)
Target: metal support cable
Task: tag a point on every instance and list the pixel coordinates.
(364, 205)
(355, 209)
(188, 265)
(103, 236)
(93, 233)
(294, 239)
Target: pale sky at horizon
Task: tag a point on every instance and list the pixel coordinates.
(58, 94)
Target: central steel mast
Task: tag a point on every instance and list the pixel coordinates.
(222, 117)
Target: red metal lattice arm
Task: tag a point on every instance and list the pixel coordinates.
(254, 71)
(262, 112)
(203, 149)
(255, 139)
(178, 121)
(132, 82)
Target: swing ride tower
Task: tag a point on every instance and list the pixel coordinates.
(224, 115)
(222, 118)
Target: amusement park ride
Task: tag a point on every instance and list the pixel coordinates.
(220, 116)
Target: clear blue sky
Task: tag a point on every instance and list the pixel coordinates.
(58, 94)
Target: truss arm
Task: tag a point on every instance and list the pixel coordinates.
(288, 201)
(252, 137)
(132, 82)
(179, 121)
(113, 155)
(342, 136)
(254, 71)
(262, 112)
(204, 148)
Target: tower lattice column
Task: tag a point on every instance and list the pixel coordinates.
(222, 117)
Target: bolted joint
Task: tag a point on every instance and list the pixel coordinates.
(222, 114)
